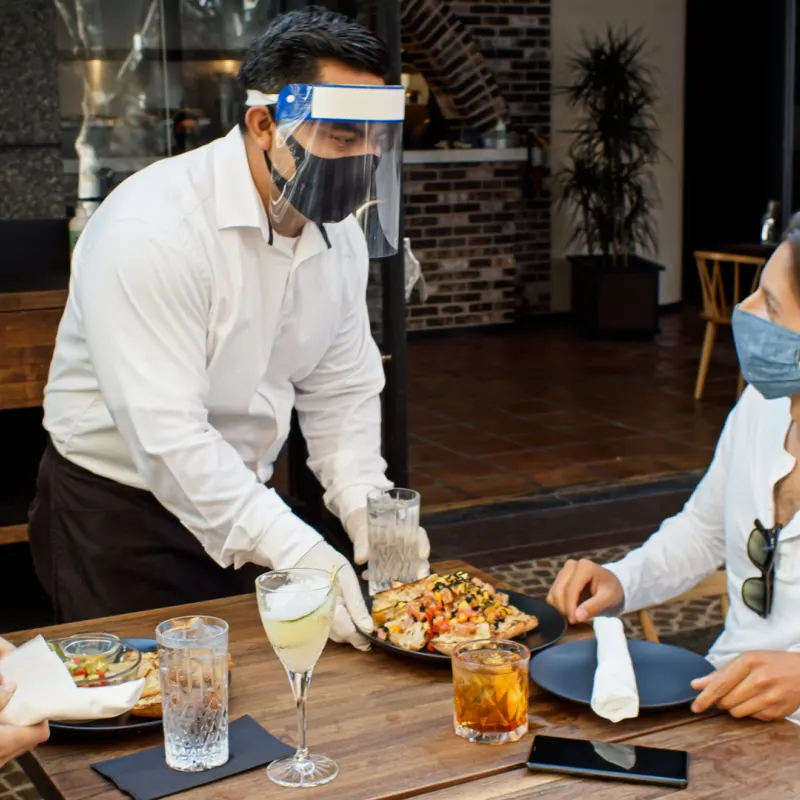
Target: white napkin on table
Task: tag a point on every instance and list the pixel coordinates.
(45, 690)
(614, 695)
(620, 755)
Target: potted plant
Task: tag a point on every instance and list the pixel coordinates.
(607, 186)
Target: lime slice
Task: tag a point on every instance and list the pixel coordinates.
(309, 630)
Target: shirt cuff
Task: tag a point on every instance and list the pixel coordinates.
(352, 498)
(284, 543)
(619, 569)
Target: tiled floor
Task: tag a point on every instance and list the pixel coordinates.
(535, 577)
(515, 412)
(14, 784)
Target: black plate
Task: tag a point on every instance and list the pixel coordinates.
(664, 673)
(124, 724)
(552, 626)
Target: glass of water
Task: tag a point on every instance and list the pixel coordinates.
(393, 516)
(193, 664)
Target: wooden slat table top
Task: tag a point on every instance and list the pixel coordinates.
(28, 325)
(26, 301)
(13, 534)
(386, 721)
(741, 759)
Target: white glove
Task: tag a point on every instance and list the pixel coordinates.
(357, 527)
(350, 614)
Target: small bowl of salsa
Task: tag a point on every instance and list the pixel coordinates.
(98, 659)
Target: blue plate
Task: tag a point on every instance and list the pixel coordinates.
(664, 673)
(123, 725)
(143, 645)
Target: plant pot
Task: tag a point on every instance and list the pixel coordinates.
(615, 302)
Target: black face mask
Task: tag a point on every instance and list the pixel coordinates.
(325, 189)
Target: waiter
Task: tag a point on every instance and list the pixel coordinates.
(211, 293)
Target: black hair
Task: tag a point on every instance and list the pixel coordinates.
(792, 236)
(290, 49)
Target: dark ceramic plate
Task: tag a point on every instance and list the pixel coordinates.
(664, 673)
(552, 626)
(124, 724)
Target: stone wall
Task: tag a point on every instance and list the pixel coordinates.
(30, 156)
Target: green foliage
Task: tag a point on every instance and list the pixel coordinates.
(607, 185)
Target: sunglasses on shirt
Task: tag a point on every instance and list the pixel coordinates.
(757, 593)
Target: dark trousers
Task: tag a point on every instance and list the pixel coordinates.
(101, 548)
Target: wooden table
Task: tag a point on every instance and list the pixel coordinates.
(388, 724)
(731, 760)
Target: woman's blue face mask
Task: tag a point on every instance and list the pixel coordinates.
(769, 354)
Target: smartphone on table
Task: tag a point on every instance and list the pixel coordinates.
(624, 762)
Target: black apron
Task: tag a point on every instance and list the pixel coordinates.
(101, 548)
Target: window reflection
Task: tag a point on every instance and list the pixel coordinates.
(143, 79)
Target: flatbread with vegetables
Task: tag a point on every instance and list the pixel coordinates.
(441, 611)
(149, 704)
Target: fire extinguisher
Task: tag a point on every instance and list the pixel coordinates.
(537, 164)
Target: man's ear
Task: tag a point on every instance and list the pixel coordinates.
(260, 125)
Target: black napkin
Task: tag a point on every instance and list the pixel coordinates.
(146, 776)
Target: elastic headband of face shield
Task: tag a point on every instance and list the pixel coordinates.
(337, 152)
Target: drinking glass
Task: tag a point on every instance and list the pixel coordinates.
(193, 670)
(296, 607)
(490, 690)
(393, 518)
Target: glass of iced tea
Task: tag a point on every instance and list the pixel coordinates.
(490, 690)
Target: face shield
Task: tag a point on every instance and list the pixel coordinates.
(336, 152)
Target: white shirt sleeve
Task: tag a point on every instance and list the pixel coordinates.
(339, 409)
(144, 306)
(687, 547)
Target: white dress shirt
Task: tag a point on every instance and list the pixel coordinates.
(187, 339)
(714, 526)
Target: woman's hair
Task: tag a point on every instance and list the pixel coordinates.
(792, 236)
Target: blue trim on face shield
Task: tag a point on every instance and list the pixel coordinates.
(769, 354)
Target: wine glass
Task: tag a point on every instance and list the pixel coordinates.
(296, 607)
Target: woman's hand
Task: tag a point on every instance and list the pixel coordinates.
(762, 684)
(16, 740)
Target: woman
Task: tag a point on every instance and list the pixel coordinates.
(16, 740)
(744, 513)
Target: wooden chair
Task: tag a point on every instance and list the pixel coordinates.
(717, 307)
(714, 586)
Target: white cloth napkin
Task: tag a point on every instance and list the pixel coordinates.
(45, 690)
(614, 695)
(620, 755)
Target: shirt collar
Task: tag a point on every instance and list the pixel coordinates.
(237, 200)
(239, 204)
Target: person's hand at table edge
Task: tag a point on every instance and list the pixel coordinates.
(357, 527)
(764, 684)
(14, 739)
(351, 619)
(584, 590)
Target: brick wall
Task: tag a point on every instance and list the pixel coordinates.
(483, 242)
(461, 220)
(456, 70)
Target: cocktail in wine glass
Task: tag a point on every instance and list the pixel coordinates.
(296, 607)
